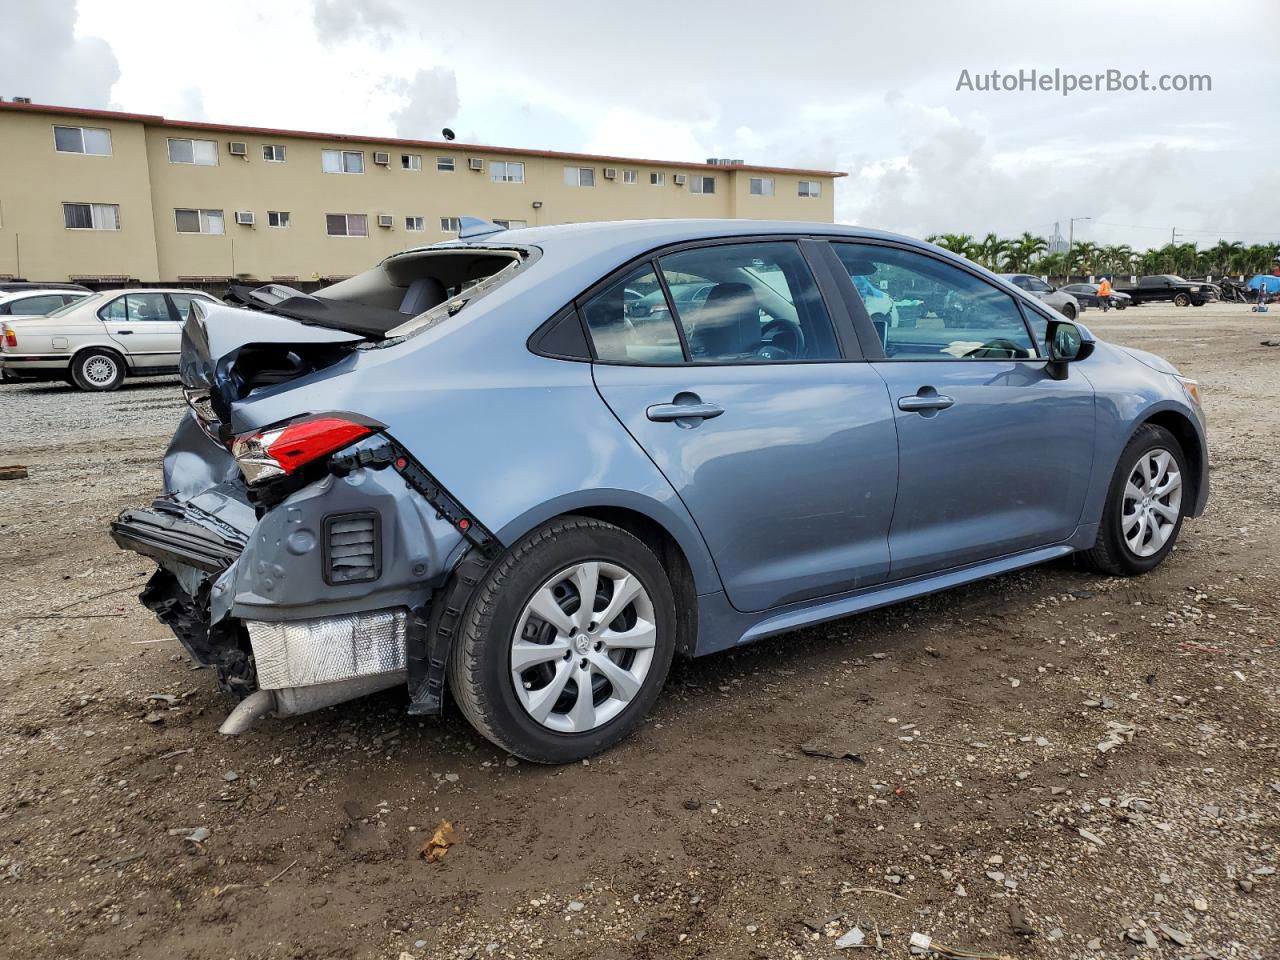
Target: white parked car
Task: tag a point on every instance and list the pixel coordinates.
(95, 342)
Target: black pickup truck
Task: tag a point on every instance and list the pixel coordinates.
(1167, 286)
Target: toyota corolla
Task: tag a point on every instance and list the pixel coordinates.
(520, 471)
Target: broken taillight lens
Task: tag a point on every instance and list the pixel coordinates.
(285, 449)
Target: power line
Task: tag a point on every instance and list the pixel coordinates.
(1216, 233)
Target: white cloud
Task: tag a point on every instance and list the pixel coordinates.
(42, 56)
(432, 103)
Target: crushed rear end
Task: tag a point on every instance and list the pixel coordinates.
(302, 559)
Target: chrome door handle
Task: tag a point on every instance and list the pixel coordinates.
(685, 406)
(919, 403)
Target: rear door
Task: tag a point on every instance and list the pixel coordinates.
(777, 438)
(994, 455)
(144, 326)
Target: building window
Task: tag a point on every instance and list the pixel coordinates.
(444, 164)
(411, 161)
(273, 152)
(580, 176)
(450, 224)
(415, 224)
(701, 184)
(510, 171)
(346, 224)
(630, 176)
(657, 179)
(342, 161)
(91, 140)
(809, 188)
(762, 186)
(200, 221)
(202, 153)
(91, 216)
(277, 218)
(512, 224)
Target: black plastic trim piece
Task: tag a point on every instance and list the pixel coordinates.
(327, 529)
(432, 634)
(562, 337)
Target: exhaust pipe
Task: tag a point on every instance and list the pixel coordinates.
(249, 711)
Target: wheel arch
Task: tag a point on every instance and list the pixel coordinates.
(1193, 448)
(670, 535)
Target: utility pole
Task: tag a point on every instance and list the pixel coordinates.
(1071, 232)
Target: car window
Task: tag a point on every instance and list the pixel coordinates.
(182, 303)
(136, 307)
(749, 303)
(36, 306)
(925, 309)
(630, 322)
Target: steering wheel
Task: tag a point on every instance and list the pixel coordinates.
(784, 340)
(997, 349)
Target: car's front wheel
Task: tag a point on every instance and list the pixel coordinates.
(566, 643)
(1144, 509)
(97, 370)
(1182, 300)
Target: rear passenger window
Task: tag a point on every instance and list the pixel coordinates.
(630, 322)
(925, 309)
(749, 303)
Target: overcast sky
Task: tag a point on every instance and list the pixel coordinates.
(868, 88)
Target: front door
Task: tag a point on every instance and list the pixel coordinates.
(994, 455)
(783, 451)
(141, 323)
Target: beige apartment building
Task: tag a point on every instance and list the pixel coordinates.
(102, 196)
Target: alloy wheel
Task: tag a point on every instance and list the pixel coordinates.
(1152, 502)
(100, 370)
(583, 646)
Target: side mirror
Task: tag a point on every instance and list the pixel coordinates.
(1068, 343)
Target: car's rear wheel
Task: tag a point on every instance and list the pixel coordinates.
(1144, 509)
(1069, 311)
(567, 642)
(97, 370)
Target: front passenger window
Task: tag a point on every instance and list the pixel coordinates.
(926, 309)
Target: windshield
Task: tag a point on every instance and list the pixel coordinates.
(74, 304)
(1176, 279)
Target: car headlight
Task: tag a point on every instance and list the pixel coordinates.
(1190, 387)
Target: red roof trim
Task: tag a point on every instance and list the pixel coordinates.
(156, 120)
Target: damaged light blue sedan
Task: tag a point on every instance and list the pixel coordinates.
(525, 468)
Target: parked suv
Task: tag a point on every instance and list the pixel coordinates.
(1060, 300)
(97, 340)
(476, 467)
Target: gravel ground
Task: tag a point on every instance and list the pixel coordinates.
(983, 810)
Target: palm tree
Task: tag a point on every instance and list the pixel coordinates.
(991, 251)
(958, 243)
(1115, 258)
(1084, 257)
(1222, 256)
(1024, 250)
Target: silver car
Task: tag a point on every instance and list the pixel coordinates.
(97, 340)
(1060, 300)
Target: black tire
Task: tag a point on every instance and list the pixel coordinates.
(1110, 553)
(1121, 306)
(1182, 300)
(98, 370)
(1068, 311)
(479, 664)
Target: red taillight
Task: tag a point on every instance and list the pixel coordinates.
(281, 451)
(10, 338)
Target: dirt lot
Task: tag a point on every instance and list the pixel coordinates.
(978, 715)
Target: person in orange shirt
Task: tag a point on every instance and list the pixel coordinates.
(1104, 294)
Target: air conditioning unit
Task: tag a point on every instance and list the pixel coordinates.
(238, 148)
(383, 159)
(611, 173)
(386, 220)
(245, 218)
(679, 179)
(475, 163)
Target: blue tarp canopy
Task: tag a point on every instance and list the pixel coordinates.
(1264, 281)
